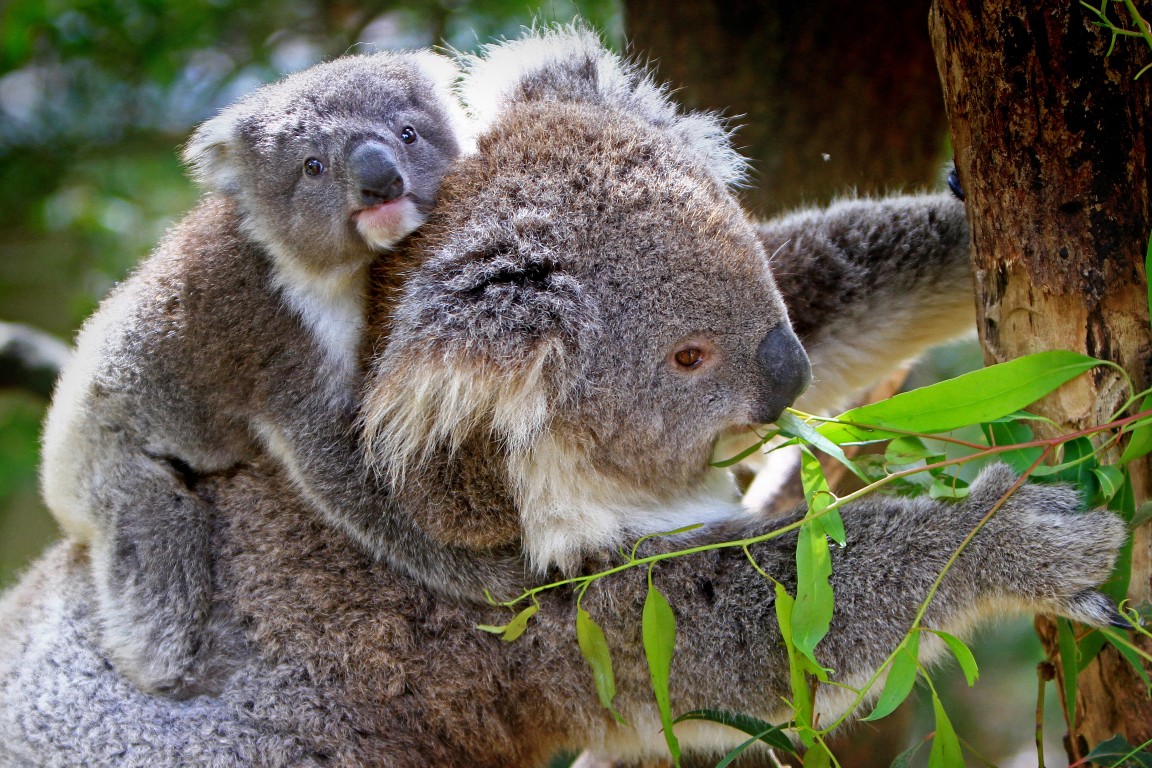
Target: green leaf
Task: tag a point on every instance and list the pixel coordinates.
(594, 648)
(948, 487)
(904, 759)
(963, 655)
(1117, 752)
(901, 677)
(793, 426)
(1142, 515)
(945, 746)
(1124, 646)
(907, 450)
(518, 625)
(1066, 643)
(1010, 433)
(1140, 438)
(658, 626)
(817, 756)
(749, 451)
(812, 613)
(801, 695)
(1111, 480)
(980, 396)
(772, 735)
(819, 497)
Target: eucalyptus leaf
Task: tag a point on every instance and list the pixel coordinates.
(658, 627)
(819, 496)
(594, 648)
(1124, 646)
(1117, 752)
(1140, 437)
(772, 735)
(963, 655)
(518, 625)
(793, 426)
(812, 613)
(801, 695)
(1066, 643)
(907, 450)
(817, 756)
(980, 396)
(901, 677)
(945, 746)
(904, 759)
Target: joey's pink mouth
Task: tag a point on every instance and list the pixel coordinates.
(382, 225)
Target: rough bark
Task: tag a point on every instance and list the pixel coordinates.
(832, 96)
(1051, 141)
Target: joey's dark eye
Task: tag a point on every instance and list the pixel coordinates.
(313, 167)
(689, 358)
(408, 134)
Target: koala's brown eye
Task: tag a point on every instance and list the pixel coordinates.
(689, 358)
(408, 134)
(313, 167)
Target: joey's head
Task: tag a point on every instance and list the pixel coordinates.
(593, 298)
(336, 163)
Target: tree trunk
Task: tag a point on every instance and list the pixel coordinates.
(832, 95)
(1051, 141)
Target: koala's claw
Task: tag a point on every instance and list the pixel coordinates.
(1120, 621)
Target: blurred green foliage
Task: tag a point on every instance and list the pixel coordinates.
(96, 97)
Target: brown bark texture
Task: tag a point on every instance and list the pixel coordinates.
(831, 96)
(1051, 141)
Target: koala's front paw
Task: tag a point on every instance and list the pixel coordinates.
(1044, 549)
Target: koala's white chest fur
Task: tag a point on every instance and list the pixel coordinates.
(331, 307)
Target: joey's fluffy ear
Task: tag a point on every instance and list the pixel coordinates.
(570, 63)
(209, 154)
(484, 338)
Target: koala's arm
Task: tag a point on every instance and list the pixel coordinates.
(870, 284)
(324, 455)
(1038, 553)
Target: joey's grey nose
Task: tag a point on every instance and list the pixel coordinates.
(785, 363)
(372, 168)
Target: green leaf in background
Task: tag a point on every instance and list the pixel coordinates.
(963, 655)
(904, 759)
(772, 735)
(901, 677)
(1066, 643)
(1117, 752)
(658, 625)
(908, 450)
(1110, 480)
(1121, 642)
(945, 746)
(980, 396)
(1140, 438)
(594, 648)
(1011, 433)
(812, 613)
(947, 486)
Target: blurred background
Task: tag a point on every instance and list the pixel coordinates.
(835, 98)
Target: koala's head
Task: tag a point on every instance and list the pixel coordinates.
(594, 299)
(335, 163)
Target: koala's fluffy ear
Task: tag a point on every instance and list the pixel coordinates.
(209, 154)
(484, 339)
(570, 63)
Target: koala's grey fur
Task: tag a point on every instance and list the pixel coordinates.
(549, 294)
(243, 329)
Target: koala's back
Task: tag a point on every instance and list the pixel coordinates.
(169, 363)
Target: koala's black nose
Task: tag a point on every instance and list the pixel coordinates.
(372, 169)
(786, 364)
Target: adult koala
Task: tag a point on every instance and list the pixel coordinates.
(586, 312)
